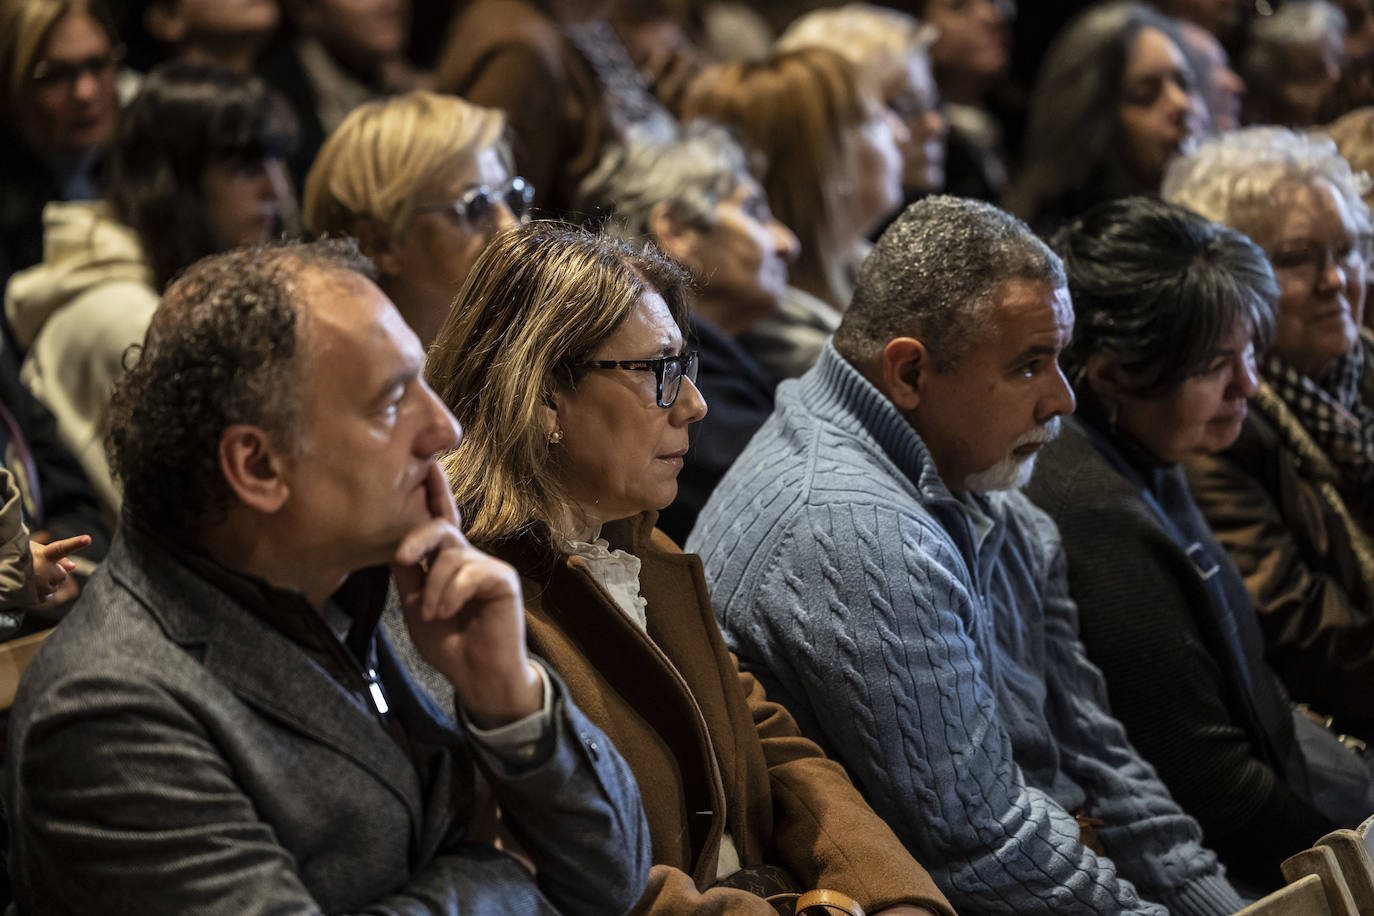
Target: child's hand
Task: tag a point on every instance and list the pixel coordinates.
(52, 569)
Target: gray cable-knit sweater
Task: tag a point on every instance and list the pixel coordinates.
(937, 657)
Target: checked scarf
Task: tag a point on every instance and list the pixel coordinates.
(1331, 410)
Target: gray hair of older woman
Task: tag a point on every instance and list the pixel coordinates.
(1232, 179)
(1159, 288)
(691, 175)
(878, 41)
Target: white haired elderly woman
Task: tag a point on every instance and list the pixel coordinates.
(695, 199)
(1293, 499)
(890, 49)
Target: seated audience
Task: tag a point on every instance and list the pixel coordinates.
(562, 76)
(889, 48)
(1117, 90)
(696, 201)
(971, 56)
(1221, 88)
(1291, 500)
(58, 60)
(32, 573)
(1292, 62)
(915, 620)
(230, 35)
(217, 727)
(337, 55)
(566, 361)
(832, 168)
(195, 169)
(423, 181)
(1168, 311)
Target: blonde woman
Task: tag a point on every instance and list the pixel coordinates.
(831, 166)
(566, 362)
(891, 51)
(423, 181)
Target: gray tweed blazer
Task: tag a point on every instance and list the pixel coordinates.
(171, 752)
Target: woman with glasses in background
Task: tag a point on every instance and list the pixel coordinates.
(423, 181)
(58, 62)
(1293, 499)
(566, 361)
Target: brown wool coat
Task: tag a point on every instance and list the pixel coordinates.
(1304, 540)
(513, 56)
(708, 749)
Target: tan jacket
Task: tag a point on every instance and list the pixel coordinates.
(1304, 540)
(708, 749)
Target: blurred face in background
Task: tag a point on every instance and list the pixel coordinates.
(1320, 260)
(68, 105)
(244, 198)
(1221, 87)
(1216, 16)
(912, 95)
(870, 188)
(973, 48)
(1359, 29)
(1160, 114)
(361, 33)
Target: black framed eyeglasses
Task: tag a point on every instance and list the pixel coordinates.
(478, 206)
(668, 372)
(63, 75)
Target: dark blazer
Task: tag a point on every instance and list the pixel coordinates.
(172, 752)
(1184, 666)
(1303, 538)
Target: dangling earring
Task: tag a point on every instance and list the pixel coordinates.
(1113, 409)
(555, 435)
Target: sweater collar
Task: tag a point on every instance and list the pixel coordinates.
(834, 389)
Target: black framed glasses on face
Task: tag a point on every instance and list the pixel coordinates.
(50, 76)
(477, 207)
(668, 372)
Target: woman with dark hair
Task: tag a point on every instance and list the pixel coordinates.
(1117, 90)
(196, 168)
(1169, 309)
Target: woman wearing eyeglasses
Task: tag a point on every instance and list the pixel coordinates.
(1293, 499)
(566, 362)
(58, 60)
(197, 167)
(423, 181)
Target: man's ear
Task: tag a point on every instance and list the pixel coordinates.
(378, 242)
(164, 21)
(253, 467)
(672, 234)
(904, 370)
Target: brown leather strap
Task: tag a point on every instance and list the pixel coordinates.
(826, 903)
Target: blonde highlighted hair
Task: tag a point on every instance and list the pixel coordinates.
(387, 153)
(796, 109)
(24, 29)
(540, 301)
(880, 42)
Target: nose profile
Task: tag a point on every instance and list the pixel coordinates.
(1245, 381)
(785, 241)
(1058, 402)
(690, 405)
(442, 431)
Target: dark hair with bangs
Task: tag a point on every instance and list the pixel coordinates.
(1158, 288)
(184, 118)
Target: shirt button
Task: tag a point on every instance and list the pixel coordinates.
(591, 746)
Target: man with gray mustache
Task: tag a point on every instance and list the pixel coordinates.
(872, 562)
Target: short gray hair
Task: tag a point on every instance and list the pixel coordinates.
(692, 174)
(1232, 179)
(935, 273)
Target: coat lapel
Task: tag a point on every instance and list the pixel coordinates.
(264, 668)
